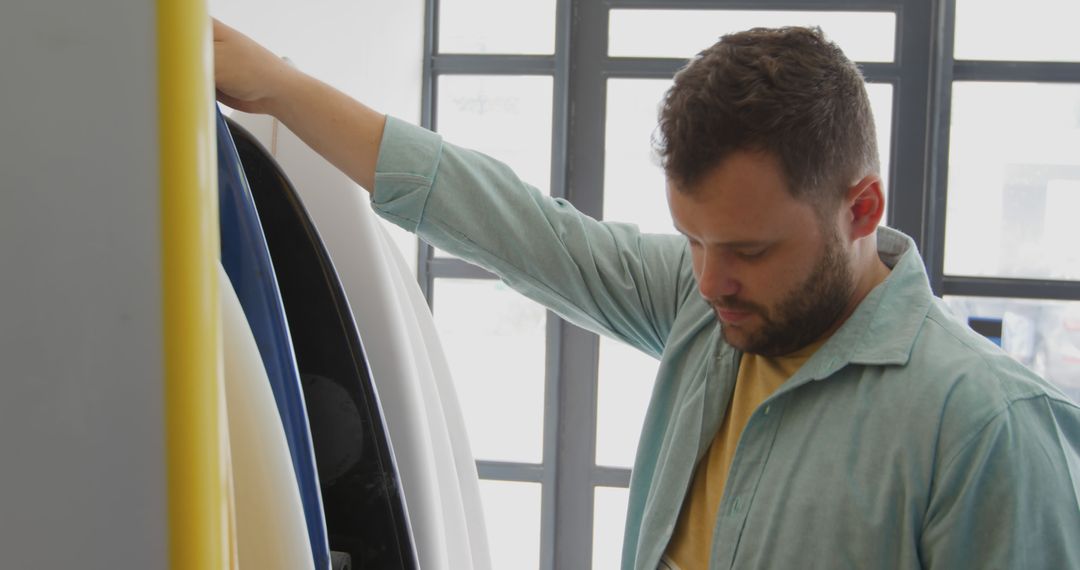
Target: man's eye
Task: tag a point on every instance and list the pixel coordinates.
(751, 253)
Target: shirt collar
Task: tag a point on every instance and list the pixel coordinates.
(883, 328)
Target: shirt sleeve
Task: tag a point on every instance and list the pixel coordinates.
(1010, 497)
(606, 277)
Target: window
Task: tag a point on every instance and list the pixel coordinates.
(979, 139)
(1014, 180)
(490, 86)
(1010, 179)
(494, 342)
(864, 36)
(1001, 30)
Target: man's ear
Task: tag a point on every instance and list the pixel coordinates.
(865, 205)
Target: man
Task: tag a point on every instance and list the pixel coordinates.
(815, 405)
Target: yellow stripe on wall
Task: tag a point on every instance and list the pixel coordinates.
(197, 477)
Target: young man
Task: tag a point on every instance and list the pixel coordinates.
(815, 406)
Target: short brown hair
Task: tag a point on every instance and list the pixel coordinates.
(787, 91)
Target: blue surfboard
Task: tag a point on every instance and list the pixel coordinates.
(247, 262)
(365, 509)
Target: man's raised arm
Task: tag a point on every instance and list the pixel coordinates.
(250, 78)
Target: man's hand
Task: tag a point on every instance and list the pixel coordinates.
(248, 76)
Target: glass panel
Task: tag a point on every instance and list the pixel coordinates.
(507, 117)
(1006, 30)
(497, 26)
(625, 376)
(495, 342)
(609, 518)
(864, 36)
(512, 516)
(1014, 181)
(633, 179)
(1043, 335)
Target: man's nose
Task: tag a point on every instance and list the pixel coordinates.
(716, 279)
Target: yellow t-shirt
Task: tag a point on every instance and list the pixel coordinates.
(758, 378)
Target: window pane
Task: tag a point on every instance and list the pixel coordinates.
(625, 376)
(495, 341)
(864, 36)
(507, 117)
(609, 518)
(1033, 30)
(1014, 181)
(497, 26)
(1043, 335)
(881, 104)
(633, 179)
(512, 516)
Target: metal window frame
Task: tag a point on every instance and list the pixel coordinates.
(922, 75)
(945, 74)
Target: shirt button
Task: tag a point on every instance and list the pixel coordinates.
(767, 408)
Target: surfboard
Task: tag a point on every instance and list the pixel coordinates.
(445, 394)
(271, 533)
(365, 512)
(412, 375)
(247, 263)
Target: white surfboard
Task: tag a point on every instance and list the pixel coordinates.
(445, 394)
(271, 532)
(427, 432)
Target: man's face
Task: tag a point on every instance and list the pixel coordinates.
(776, 276)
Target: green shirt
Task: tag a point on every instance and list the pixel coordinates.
(906, 441)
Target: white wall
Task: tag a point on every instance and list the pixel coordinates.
(372, 50)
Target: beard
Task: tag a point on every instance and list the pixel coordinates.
(803, 314)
